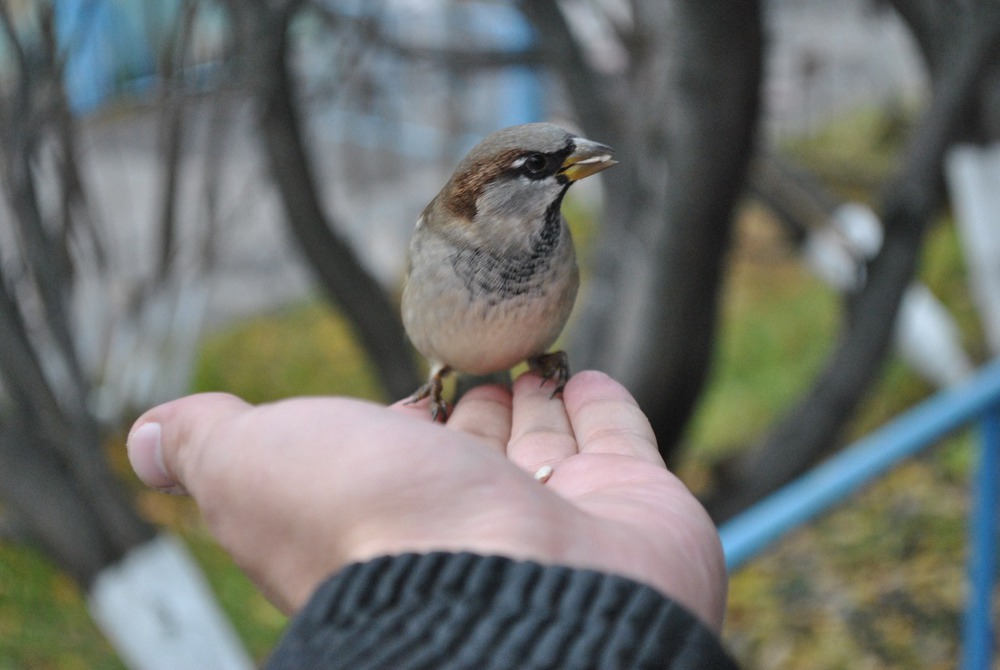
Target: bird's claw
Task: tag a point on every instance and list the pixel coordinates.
(433, 389)
(439, 410)
(553, 366)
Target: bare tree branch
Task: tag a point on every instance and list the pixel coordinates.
(450, 57)
(47, 429)
(20, 367)
(213, 155)
(39, 437)
(591, 92)
(76, 219)
(789, 193)
(47, 501)
(362, 299)
(48, 266)
(172, 131)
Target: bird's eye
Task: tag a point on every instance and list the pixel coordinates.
(535, 164)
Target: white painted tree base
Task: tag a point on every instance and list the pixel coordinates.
(926, 335)
(929, 340)
(157, 610)
(974, 180)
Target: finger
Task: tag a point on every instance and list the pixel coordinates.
(540, 430)
(418, 410)
(606, 418)
(166, 440)
(485, 412)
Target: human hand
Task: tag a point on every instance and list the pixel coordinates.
(297, 489)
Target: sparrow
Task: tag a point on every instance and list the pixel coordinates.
(491, 271)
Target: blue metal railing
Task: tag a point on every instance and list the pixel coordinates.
(978, 400)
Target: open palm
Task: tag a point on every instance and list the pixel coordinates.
(297, 489)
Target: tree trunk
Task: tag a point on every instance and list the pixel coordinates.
(684, 131)
(364, 302)
(54, 477)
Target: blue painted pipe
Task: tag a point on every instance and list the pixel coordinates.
(977, 649)
(748, 533)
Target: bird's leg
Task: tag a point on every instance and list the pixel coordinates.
(432, 389)
(552, 366)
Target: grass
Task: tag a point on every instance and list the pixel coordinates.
(878, 583)
(43, 623)
(778, 324)
(302, 350)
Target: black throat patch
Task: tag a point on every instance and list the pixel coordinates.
(499, 276)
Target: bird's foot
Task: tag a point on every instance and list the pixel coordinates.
(432, 389)
(553, 366)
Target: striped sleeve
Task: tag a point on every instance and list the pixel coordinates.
(444, 611)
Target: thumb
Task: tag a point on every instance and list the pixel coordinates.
(166, 443)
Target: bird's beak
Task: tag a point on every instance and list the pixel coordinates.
(588, 158)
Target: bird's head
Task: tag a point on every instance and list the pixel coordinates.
(515, 177)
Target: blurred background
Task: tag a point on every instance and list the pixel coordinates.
(218, 194)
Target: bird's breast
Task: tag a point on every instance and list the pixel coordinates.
(481, 311)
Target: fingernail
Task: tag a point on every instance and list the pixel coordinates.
(145, 453)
